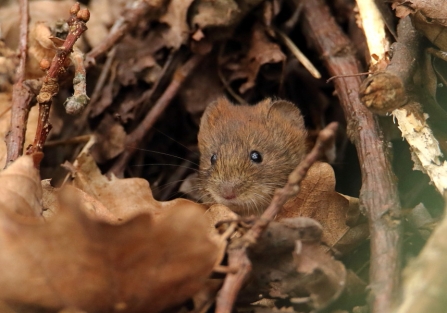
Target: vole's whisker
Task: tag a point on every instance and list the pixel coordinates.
(162, 153)
(166, 164)
(163, 186)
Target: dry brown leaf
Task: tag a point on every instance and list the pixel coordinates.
(218, 18)
(110, 141)
(91, 206)
(201, 88)
(401, 10)
(4, 308)
(289, 262)
(323, 277)
(219, 212)
(77, 262)
(318, 199)
(212, 13)
(8, 63)
(435, 10)
(176, 18)
(42, 15)
(21, 191)
(429, 17)
(124, 198)
(262, 51)
(434, 31)
(103, 13)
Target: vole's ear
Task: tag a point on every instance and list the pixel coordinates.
(287, 111)
(213, 111)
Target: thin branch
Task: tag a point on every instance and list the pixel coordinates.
(134, 139)
(21, 95)
(50, 85)
(378, 196)
(133, 13)
(77, 103)
(23, 43)
(299, 55)
(237, 251)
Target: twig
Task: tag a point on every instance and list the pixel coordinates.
(77, 103)
(69, 141)
(387, 90)
(224, 81)
(374, 29)
(393, 90)
(378, 196)
(21, 95)
(349, 75)
(237, 251)
(134, 139)
(133, 13)
(103, 76)
(298, 54)
(50, 85)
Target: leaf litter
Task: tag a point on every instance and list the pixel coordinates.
(100, 243)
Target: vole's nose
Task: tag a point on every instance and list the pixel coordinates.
(228, 191)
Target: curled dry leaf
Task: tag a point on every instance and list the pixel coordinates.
(43, 14)
(289, 262)
(124, 198)
(78, 262)
(103, 13)
(8, 63)
(323, 277)
(429, 17)
(110, 139)
(262, 51)
(219, 212)
(92, 207)
(21, 191)
(318, 199)
(176, 18)
(221, 13)
(218, 17)
(433, 9)
(206, 80)
(434, 31)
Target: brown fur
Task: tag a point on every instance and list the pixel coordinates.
(275, 128)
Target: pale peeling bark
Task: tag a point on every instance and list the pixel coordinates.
(424, 146)
(374, 29)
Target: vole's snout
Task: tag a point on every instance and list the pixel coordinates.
(228, 190)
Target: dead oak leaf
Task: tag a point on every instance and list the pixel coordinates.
(323, 277)
(21, 191)
(215, 13)
(318, 199)
(110, 139)
(124, 198)
(434, 10)
(73, 261)
(91, 206)
(262, 51)
(289, 262)
(176, 18)
(77, 262)
(428, 17)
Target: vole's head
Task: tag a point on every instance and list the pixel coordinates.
(248, 151)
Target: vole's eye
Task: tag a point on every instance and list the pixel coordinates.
(256, 157)
(213, 159)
